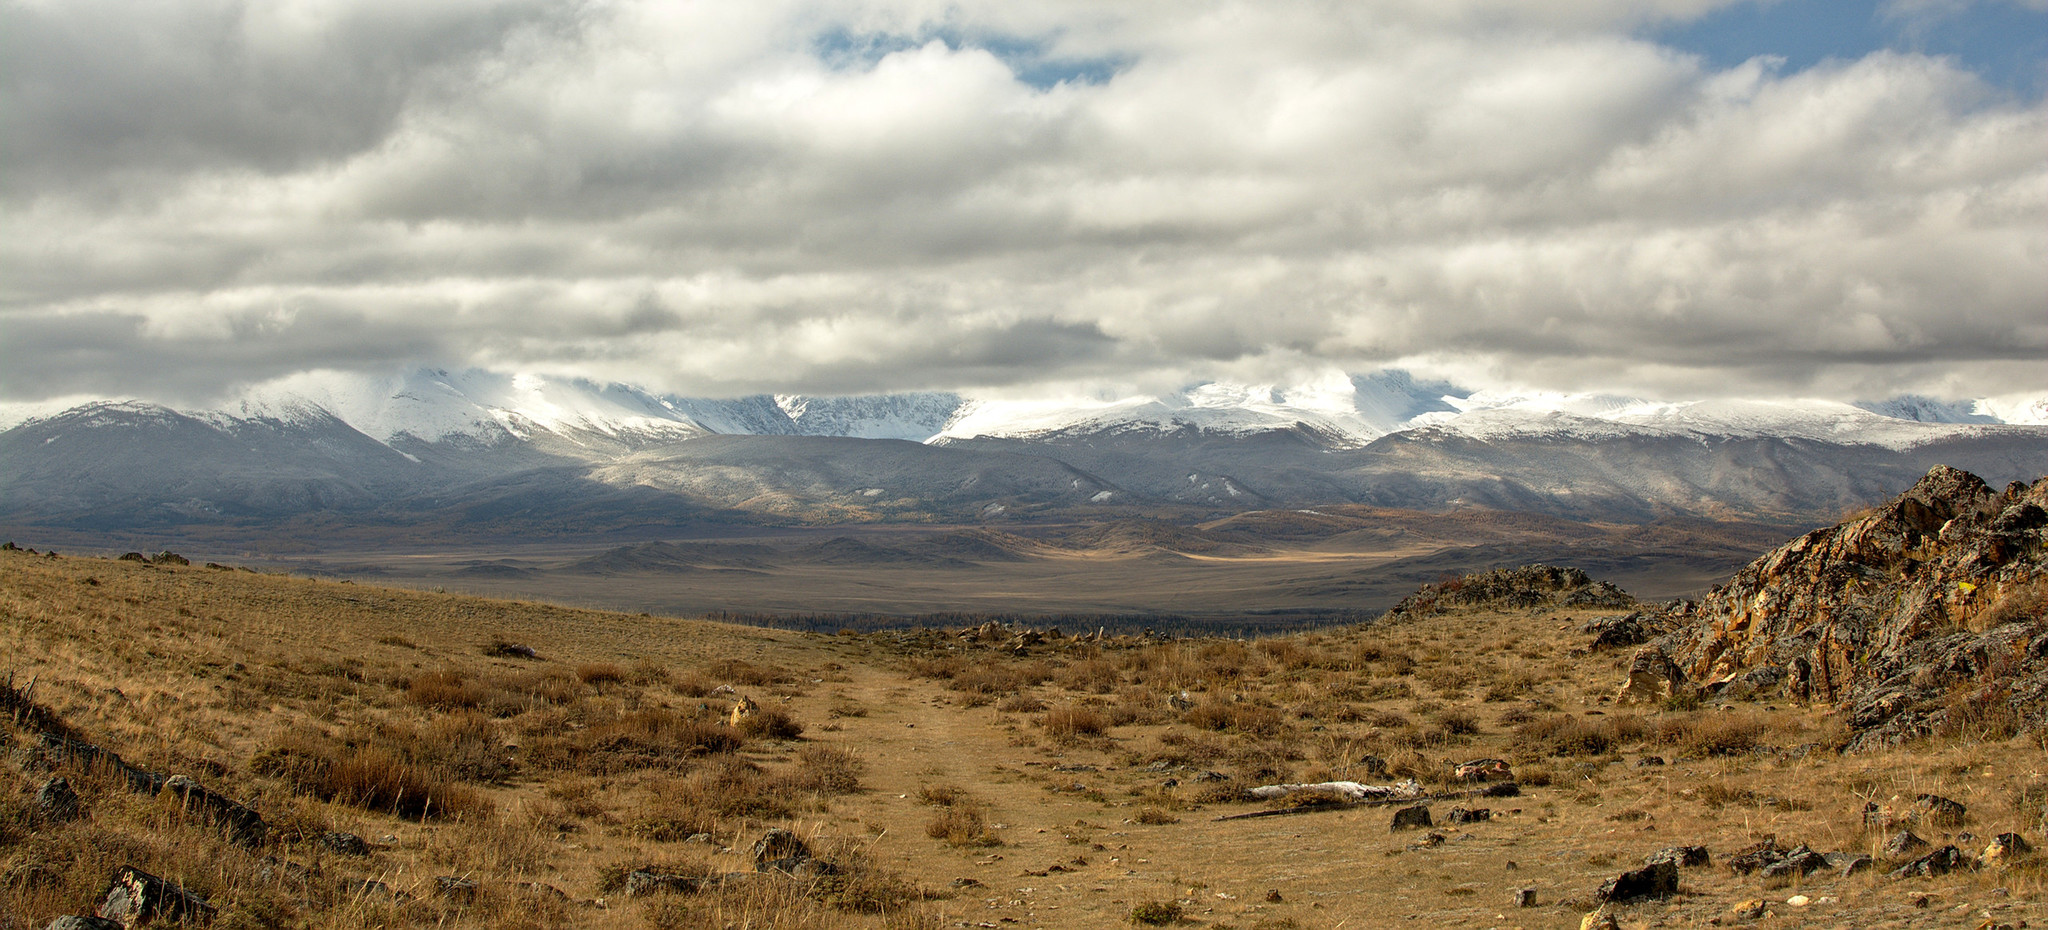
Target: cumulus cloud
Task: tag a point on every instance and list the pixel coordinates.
(798, 195)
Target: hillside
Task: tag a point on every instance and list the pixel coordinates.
(434, 760)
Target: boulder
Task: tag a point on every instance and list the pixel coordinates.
(640, 883)
(1461, 815)
(1685, 856)
(56, 802)
(342, 843)
(1756, 858)
(1798, 863)
(134, 896)
(1653, 678)
(1657, 880)
(1902, 617)
(1411, 818)
(74, 922)
(1939, 862)
(1904, 845)
(460, 891)
(2007, 847)
(779, 844)
(1938, 812)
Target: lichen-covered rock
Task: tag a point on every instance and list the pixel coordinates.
(1652, 678)
(1511, 589)
(1924, 615)
(136, 897)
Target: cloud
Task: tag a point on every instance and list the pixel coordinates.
(841, 197)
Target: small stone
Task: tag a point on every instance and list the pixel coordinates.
(1798, 863)
(1525, 897)
(1799, 900)
(1273, 896)
(1649, 762)
(1752, 909)
(1599, 920)
(1461, 815)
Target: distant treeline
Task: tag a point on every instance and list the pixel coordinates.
(1244, 625)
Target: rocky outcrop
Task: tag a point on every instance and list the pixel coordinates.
(1925, 614)
(1511, 589)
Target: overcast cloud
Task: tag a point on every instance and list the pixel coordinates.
(837, 197)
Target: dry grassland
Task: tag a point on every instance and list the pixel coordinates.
(953, 783)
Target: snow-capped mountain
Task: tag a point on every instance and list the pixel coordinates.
(525, 451)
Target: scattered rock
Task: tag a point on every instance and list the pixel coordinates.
(779, 844)
(1649, 761)
(1505, 789)
(1412, 818)
(461, 891)
(1653, 678)
(799, 867)
(56, 802)
(1847, 864)
(1525, 897)
(1798, 863)
(1461, 815)
(641, 883)
(1598, 920)
(1755, 857)
(344, 844)
(74, 922)
(1904, 845)
(537, 890)
(134, 896)
(1429, 840)
(1632, 629)
(1273, 896)
(2007, 847)
(1939, 862)
(372, 889)
(1752, 909)
(1686, 856)
(1938, 812)
(244, 826)
(1657, 880)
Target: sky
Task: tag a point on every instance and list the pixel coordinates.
(1673, 199)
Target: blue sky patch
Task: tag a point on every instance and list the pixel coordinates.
(2004, 43)
(1028, 58)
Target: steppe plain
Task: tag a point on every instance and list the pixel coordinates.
(954, 780)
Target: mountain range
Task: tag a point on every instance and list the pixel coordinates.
(520, 452)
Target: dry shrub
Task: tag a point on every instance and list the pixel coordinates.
(443, 690)
(371, 777)
(1708, 733)
(1251, 719)
(1154, 816)
(771, 723)
(648, 738)
(599, 674)
(962, 825)
(744, 673)
(1095, 676)
(1072, 721)
(1568, 735)
(943, 668)
(827, 770)
(1020, 704)
(943, 795)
